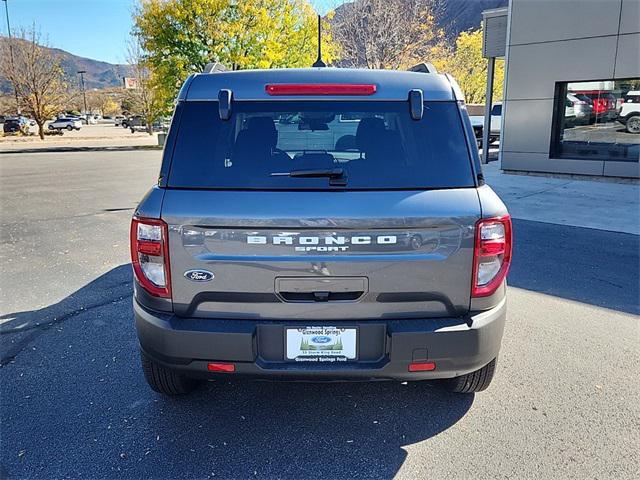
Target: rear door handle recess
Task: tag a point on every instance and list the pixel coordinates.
(325, 289)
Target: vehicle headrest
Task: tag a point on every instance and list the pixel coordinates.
(263, 127)
(368, 130)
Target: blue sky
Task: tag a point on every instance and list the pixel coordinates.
(95, 29)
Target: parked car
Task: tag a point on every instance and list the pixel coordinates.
(268, 250)
(629, 113)
(118, 119)
(581, 109)
(603, 103)
(16, 125)
(477, 122)
(65, 123)
(136, 123)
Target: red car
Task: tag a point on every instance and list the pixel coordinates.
(604, 103)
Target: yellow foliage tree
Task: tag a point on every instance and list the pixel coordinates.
(181, 36)
(469, 68)
(110, 107)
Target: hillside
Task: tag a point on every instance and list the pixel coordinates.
(460, 15)
(99, 74)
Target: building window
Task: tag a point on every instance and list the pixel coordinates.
(597, 120)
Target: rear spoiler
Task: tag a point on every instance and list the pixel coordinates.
(423, 68)
(214, 67)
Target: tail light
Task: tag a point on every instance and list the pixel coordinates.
(492, 255)
(599, 105)
(150, 255)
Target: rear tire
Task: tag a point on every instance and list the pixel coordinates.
(165, 381)
(633, 124)
(472, 382)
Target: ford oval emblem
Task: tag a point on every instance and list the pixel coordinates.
(198, 275)
(321, 339)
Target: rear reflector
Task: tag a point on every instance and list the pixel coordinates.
(422, 366)
(149, 248)
(320, 89)
(221, 367)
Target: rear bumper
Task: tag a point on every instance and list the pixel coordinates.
(387, 347)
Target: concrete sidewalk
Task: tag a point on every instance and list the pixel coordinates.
(581, 203)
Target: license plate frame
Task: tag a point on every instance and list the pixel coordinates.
(331, 353)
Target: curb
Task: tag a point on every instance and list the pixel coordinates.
(82, 149)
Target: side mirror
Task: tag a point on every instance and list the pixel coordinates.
(224, 104)
(416, 104)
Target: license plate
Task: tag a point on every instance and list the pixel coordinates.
(319, 344)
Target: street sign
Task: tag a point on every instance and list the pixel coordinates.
(130, 83)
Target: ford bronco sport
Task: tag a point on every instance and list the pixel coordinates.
(320, 224)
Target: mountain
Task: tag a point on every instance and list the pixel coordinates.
(459, 15)
(99, 74)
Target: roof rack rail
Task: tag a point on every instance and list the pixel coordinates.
(423, 68)
(214, 67)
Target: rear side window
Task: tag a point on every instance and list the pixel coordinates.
(283, 145)
(496, 109)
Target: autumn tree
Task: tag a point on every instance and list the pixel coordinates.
(146, 99)
(109, 107)
(36, 76)
(469, 67)
(7, 105)
(182, 36)
(388, 34)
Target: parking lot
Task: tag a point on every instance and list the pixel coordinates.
(564, 403)
(102, 134)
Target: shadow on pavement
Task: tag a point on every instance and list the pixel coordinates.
(582, 264)
(75, 404)
(27, 325)
(300, 430)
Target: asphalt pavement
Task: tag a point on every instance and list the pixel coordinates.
(74, 404)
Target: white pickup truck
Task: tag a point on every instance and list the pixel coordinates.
(477, 122)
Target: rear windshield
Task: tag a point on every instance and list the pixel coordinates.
(320, 145)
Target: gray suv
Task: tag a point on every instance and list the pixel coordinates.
(320, 224)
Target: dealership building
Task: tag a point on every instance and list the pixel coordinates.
(571, 67)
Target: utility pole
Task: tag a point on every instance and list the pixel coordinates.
(84, 94)
(15, 90)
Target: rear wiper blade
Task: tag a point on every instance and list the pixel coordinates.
(312, 173)
(336, 176)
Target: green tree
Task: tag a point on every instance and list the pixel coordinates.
(181, 36)
(469, 68)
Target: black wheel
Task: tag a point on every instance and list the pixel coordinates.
(50, 127)
(633, 124)
(69, 127)
(166, 381)
(472, 382)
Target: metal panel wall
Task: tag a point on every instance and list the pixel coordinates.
(549, 42)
